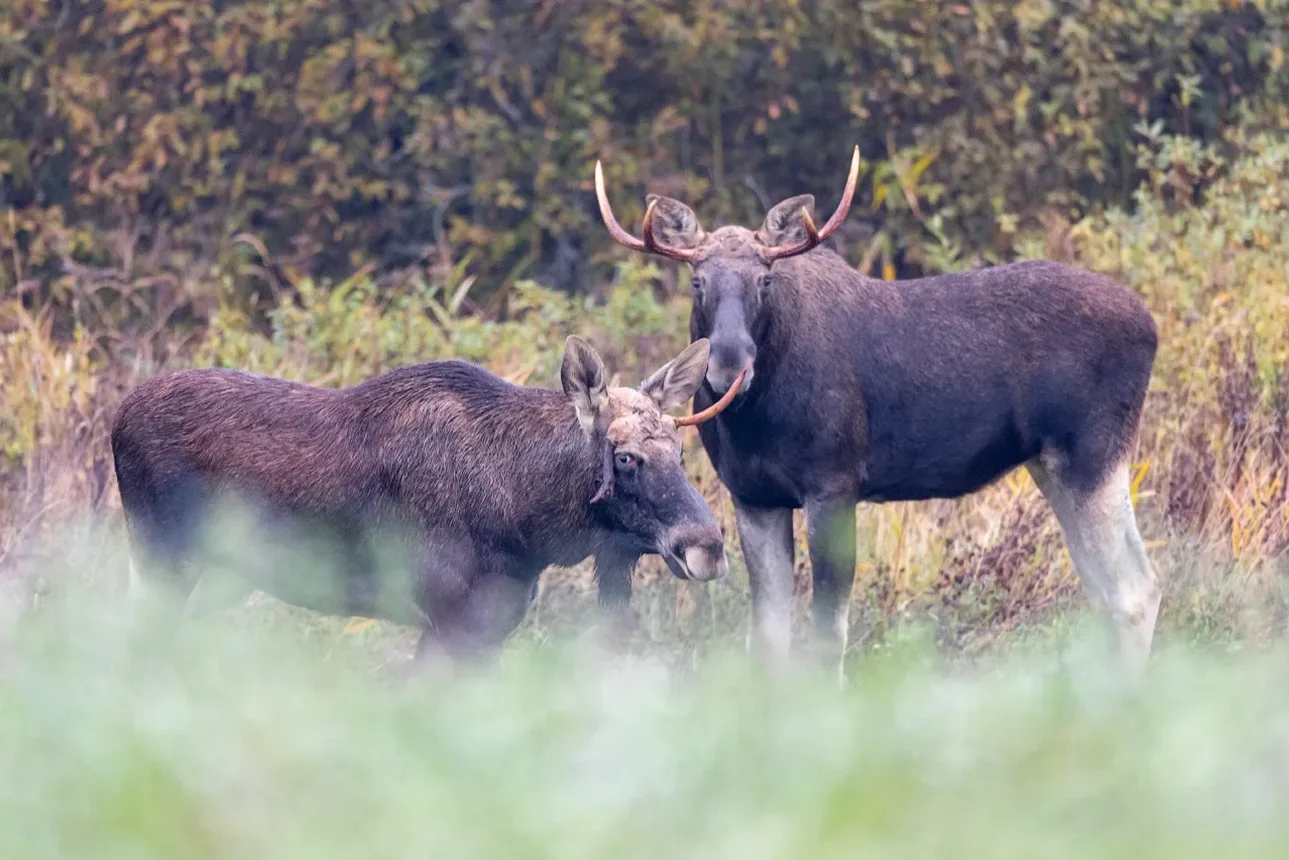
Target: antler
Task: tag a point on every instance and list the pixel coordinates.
(814, 236)
(648, 244)
(716, 408)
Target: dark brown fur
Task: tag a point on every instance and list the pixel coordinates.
(868, 390)
(469, 483)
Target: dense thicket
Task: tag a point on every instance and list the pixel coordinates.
(152, 148)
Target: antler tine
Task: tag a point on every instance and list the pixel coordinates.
(649, 245)
(646, 228)
(809, 222)
(814, 236)
(716, 408)
(606, 213)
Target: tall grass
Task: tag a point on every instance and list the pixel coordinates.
(231, 741)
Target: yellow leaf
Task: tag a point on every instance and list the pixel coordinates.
(357, 625)
(920, 166)
(1142, 468)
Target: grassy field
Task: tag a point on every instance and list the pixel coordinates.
(269, 734)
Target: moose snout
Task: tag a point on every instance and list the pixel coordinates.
(726, 363)
(697, 554)
(705, 563)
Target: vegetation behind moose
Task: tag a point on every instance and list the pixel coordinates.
(437, 492)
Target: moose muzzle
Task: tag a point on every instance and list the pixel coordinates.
(695, 553)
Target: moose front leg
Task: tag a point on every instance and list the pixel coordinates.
(765, 534)
(473, 627)
(830, 525)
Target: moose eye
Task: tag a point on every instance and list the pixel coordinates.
(625, 461)
(766, 280)
(697, 284)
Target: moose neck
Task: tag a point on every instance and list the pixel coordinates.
(812, 294)
(813, 303)
(567, 477)
(530, 444)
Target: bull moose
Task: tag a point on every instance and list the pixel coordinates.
(860, 389)
(468, 483)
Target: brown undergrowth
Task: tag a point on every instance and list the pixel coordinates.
(1211, 469)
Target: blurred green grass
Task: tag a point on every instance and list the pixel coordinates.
(262, 732)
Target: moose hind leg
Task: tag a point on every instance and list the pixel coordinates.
(160, 563)
(1100, 530)
(162, 522)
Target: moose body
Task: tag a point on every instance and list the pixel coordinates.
(860, 389)
(436, 493)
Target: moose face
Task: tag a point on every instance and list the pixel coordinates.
(732, 268)
(644, 498)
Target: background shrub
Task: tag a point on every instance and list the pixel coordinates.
(153, 151)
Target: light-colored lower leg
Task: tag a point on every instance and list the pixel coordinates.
(430, 662)
(1109, 555)
(765, 536)
(146, 603)
(141, 593)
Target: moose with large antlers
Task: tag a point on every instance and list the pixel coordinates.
(432, 495)
(856, 389)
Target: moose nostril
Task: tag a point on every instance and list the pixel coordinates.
(732, 356)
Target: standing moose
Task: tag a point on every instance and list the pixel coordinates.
(867, 390)
(466, 483)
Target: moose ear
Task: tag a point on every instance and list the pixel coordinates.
(582, 375)
(783, 225)
(677, 380)
(674, 223)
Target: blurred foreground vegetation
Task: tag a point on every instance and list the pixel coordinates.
(247, 743)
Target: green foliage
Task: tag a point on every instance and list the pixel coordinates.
(341, 335)
(148, 147)
(254, 743)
